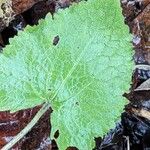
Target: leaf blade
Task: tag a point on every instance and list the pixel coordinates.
(90, 29)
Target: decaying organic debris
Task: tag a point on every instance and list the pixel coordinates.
(136, 118)
(6, 13)
(12, 123)
(137, 14)
(10, 8)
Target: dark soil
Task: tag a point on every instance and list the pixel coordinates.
(133, 131)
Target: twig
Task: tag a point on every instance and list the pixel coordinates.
(128, 142)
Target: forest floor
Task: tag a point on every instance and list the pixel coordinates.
(133, 131)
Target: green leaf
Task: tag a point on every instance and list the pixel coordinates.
(83, 76)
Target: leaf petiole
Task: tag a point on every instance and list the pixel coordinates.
(22, 133)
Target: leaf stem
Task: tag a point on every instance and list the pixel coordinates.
(22, 133)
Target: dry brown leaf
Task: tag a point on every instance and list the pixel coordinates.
(142, 113)
(142, 66)
(145, 86)
(10, 8)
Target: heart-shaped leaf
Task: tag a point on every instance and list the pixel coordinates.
(80, 62)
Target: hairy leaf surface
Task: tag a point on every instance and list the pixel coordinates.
(83, 76)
